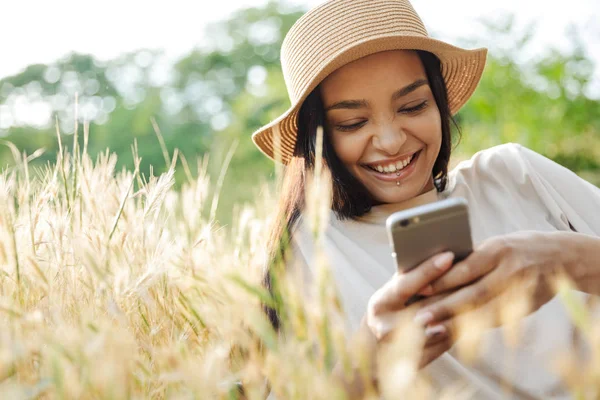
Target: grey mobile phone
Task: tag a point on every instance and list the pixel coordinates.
(419, 233)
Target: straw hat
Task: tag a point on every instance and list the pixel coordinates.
(341, 31)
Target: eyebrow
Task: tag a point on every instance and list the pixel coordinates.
(356, 104)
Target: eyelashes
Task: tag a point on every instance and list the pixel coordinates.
(409, 110)
(414, 109)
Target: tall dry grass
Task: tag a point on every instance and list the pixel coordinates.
(115, 286)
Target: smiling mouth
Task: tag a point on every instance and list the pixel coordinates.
(393, 168)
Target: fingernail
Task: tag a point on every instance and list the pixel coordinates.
(423, 318)
(444, 260)
(436, 330)
(426, 291)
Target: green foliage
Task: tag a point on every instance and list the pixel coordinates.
(540, 103)
(217, 95)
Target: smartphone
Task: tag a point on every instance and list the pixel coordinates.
(421, 232)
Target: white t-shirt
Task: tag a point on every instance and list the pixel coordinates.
(509, 188)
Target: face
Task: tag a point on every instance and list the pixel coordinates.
(384, 124)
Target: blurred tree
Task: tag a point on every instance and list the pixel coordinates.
(218, 94)
(541, 103)
(241, 86)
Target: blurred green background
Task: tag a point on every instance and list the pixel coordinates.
(221, 93)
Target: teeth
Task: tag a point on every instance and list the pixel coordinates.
(394, 167)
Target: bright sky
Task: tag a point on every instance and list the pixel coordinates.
(41, 31)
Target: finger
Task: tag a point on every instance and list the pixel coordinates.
(465, 299)
(428, 271)
(440, 331)
(433, 352)
(435, 334)
(396, 292)
(420, 302)
(476, 265)
(382, 325)
(431, 299)
(426, 291)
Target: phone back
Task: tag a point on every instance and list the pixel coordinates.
(421, 232)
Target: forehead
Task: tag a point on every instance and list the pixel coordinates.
(394, 68)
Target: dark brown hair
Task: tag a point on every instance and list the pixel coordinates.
(350, 198)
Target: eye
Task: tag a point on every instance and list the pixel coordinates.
(411, 110)
(353, 127)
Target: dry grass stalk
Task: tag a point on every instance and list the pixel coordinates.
(114, 286)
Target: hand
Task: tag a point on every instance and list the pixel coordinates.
(387, 306)
(524, 259)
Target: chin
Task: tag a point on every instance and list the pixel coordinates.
(398, 197)
(389, 192)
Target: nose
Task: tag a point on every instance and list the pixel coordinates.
(389, 138)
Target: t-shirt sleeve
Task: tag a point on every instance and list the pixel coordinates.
(567, 196)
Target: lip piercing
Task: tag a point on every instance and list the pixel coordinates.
(398, 173)
(397, 183)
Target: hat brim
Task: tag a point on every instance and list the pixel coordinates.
(461, 70)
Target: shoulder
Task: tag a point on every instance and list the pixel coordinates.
(510, 161)
(495, 156)
(507, 169)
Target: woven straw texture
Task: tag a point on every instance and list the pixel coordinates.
(341, 31)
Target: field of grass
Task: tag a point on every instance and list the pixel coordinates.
(115, 286)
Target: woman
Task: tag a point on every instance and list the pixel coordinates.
(385, 92)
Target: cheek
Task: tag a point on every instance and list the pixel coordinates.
(428, 128)
(349, 147)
